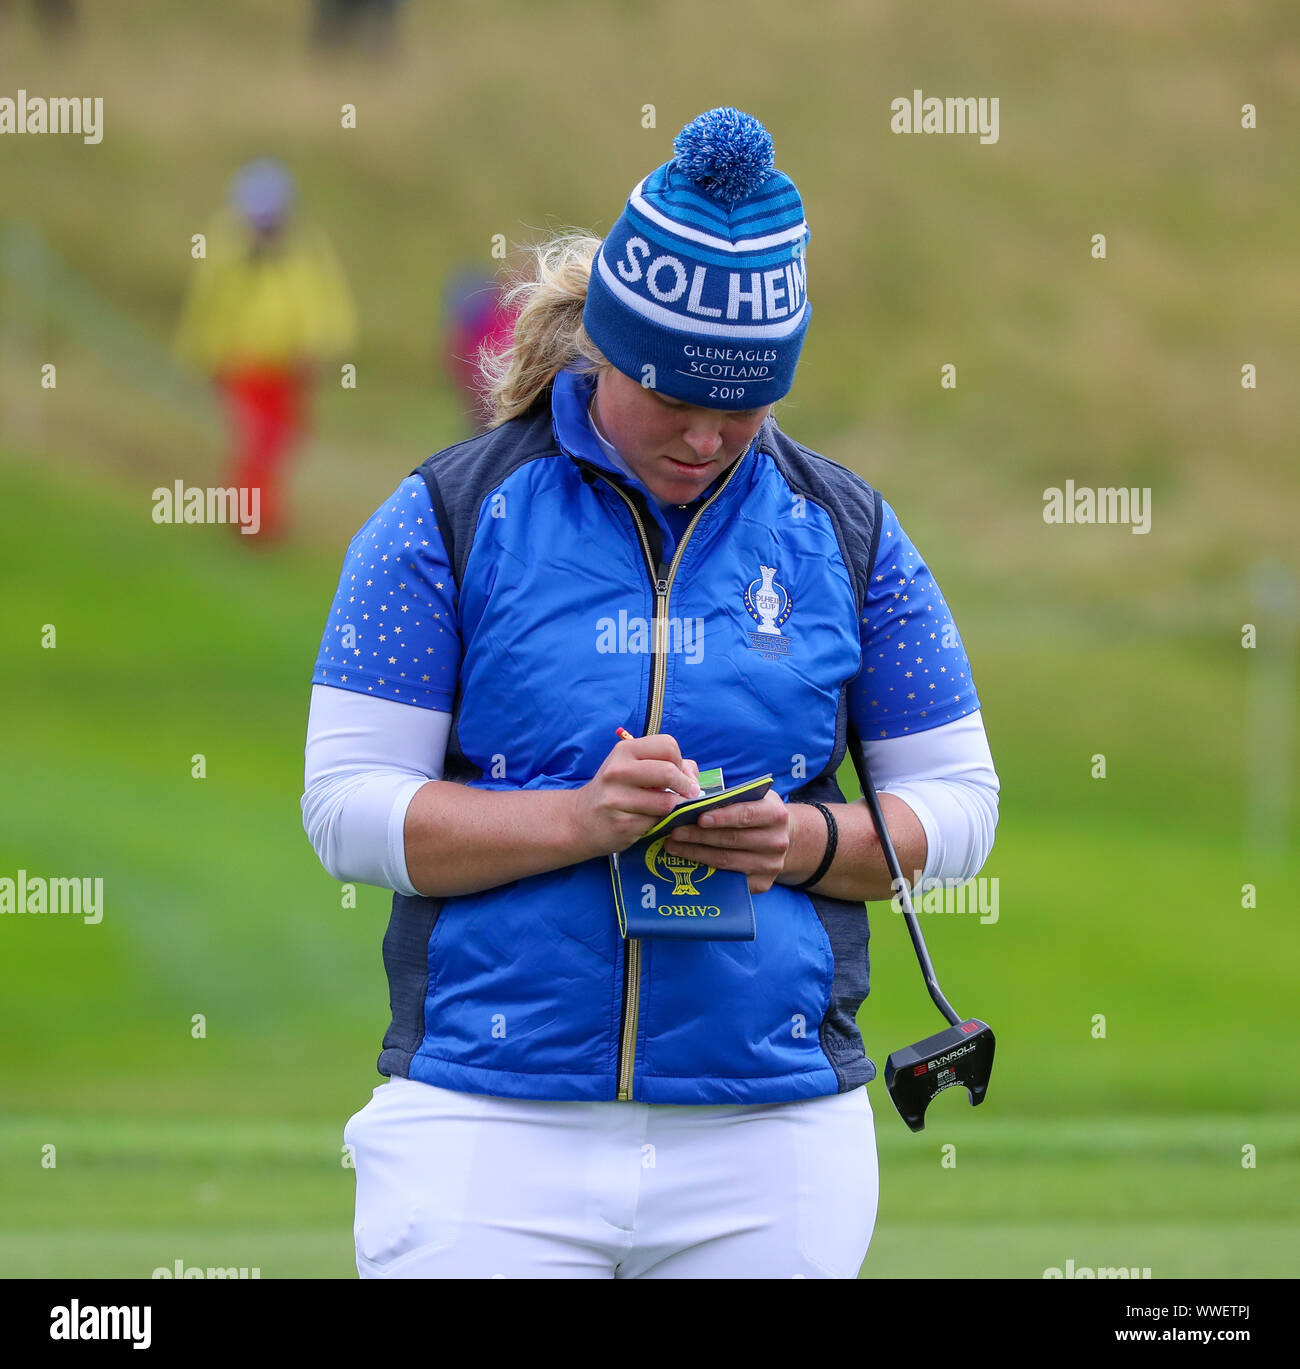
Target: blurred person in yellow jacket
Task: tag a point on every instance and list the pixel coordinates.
(267, 306)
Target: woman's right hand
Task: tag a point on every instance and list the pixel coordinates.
(639, 782)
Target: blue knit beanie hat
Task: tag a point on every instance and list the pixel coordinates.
(700, 289)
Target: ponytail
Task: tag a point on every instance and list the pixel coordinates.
(549, 335)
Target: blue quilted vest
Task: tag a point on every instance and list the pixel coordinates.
(562, 567)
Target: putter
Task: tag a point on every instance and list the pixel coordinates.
(963, 1052)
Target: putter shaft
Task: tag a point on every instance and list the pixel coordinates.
(900, 884)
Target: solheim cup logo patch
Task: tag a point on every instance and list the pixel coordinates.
(683, 873)
(768, 604)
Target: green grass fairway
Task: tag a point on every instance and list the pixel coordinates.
(1120, 899)
(226, 1150)
(1169, 1195)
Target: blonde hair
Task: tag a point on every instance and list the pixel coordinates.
(549, 335)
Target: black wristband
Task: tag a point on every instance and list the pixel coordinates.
(832, 840)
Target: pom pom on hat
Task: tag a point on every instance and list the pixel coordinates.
(725, 151)
(700, 289)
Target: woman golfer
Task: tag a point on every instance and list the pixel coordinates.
(635, 544)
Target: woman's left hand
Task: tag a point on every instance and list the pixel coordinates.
(753, 837)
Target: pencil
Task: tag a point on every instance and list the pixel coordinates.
(625, 734)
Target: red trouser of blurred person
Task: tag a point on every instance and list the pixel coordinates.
(268, 415)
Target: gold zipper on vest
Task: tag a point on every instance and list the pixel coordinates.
(659, 636)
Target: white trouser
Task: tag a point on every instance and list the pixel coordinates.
(463, 1185)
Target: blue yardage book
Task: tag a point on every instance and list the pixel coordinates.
(658, 894)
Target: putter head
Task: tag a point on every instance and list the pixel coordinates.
(958, 1055)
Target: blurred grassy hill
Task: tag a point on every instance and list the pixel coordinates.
(1120, 897)
(511, 118)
